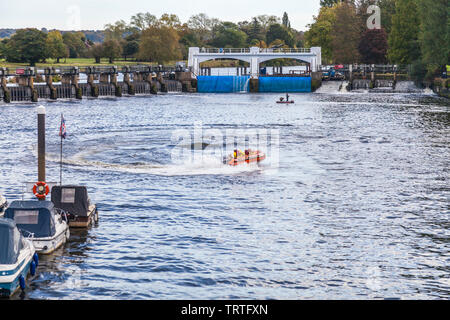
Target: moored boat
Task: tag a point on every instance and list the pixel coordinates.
(75, 202)
(17, 258)
(249, 156)
(39, 221)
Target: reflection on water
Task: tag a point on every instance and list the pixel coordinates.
(358, 207)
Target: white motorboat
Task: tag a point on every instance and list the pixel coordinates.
(40, 222)
(17, 258)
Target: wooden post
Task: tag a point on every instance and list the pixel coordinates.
(41, 143)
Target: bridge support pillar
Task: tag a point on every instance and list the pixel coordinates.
(254, 85)
(127, 80)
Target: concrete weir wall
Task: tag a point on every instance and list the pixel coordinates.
(31, 84)
(228, 84)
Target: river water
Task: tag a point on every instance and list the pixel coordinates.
(352, 201)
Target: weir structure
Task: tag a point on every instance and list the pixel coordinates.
(32, 84)
(254, 56)
(254, 80)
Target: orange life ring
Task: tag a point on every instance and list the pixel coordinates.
(41, 189)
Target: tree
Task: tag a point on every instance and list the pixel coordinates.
(160, 44)
(228, 35)
(116, 31)
(202, 25)
(277, 31)
(387, 11)
(96, 52)
(329, 3)
(56, 48)
(27, 45)
(266, 21)
(319, 33)
(130, 48)
(434, 35)
(3, 48)
(76, 43)
(404, 37)
(142, 21)
(346, 32)
(170, 20)
(112, 49)
(373, 46)
(285, 21)
(255, 31)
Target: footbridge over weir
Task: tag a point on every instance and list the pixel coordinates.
(254, 56)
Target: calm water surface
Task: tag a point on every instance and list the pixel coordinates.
(358, 207)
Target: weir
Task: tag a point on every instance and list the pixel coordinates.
(32, 84)
(255, 79)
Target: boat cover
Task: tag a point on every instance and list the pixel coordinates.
(72, 199)
(37, 217)
(10, 242)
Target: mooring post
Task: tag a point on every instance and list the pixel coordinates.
(41, 143)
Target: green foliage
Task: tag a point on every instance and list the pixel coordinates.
(130, 48)
(285, 21)
(387, 11)
(96, 51)
(2, 49)
(75, 42)
(434, 35)
(27, 45)
(277, 31)
(329, 3)
(56, 48)
(319, 33)
(403, 39)
(112, 49)
(228, 35)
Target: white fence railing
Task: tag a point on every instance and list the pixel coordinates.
(261, 50)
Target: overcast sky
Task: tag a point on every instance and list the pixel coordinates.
(94, 14)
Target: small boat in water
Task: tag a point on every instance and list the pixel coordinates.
(75, 202)
(287, 101)
(40, 222)
(3, 205)
(239, 157)
(17, 258)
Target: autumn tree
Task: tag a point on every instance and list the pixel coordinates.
(112, 49)
(373, 46)
(96, 51)
(56, 48)
(319, 33)
(345, 34)
(159, 44)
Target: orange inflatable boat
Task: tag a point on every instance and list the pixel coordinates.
(249, 156)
